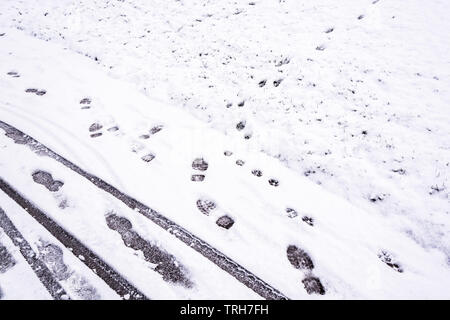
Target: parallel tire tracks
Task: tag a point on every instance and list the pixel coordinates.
(39, 268)
(114, 280)
(221, 260)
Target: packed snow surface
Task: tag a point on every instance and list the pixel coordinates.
(268, 128)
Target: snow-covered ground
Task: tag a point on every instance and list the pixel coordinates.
(345, 105)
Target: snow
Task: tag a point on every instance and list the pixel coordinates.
(356, 134)
(29, 287)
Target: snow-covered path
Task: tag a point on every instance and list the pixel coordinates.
(352, 114)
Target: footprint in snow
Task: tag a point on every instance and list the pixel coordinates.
(377, 197)
(241, 125)
(262, 83)
(113, 129)
(86, 103)
(95, 135)
(148, 157)
(308, 220)
(207, 206)
(276, 83)
(400, 171)
(6, 260)
(152, 131)
(164, 263)
(63, 204)
(274, 182)
(240, 162)
(299, 258)
(292, 213)
(201, 165)
(137, 147)
(227, 153)
(313, 285)
(320, 48)
(282, 62)
(198, 177)
(156, 129)
(53, 257)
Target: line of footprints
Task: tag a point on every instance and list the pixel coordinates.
(95, 130)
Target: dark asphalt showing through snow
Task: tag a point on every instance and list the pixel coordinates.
(39, 268)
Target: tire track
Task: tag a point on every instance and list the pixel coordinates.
(221, 260)
(39, 268)
(36, 122)
(114, 280)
